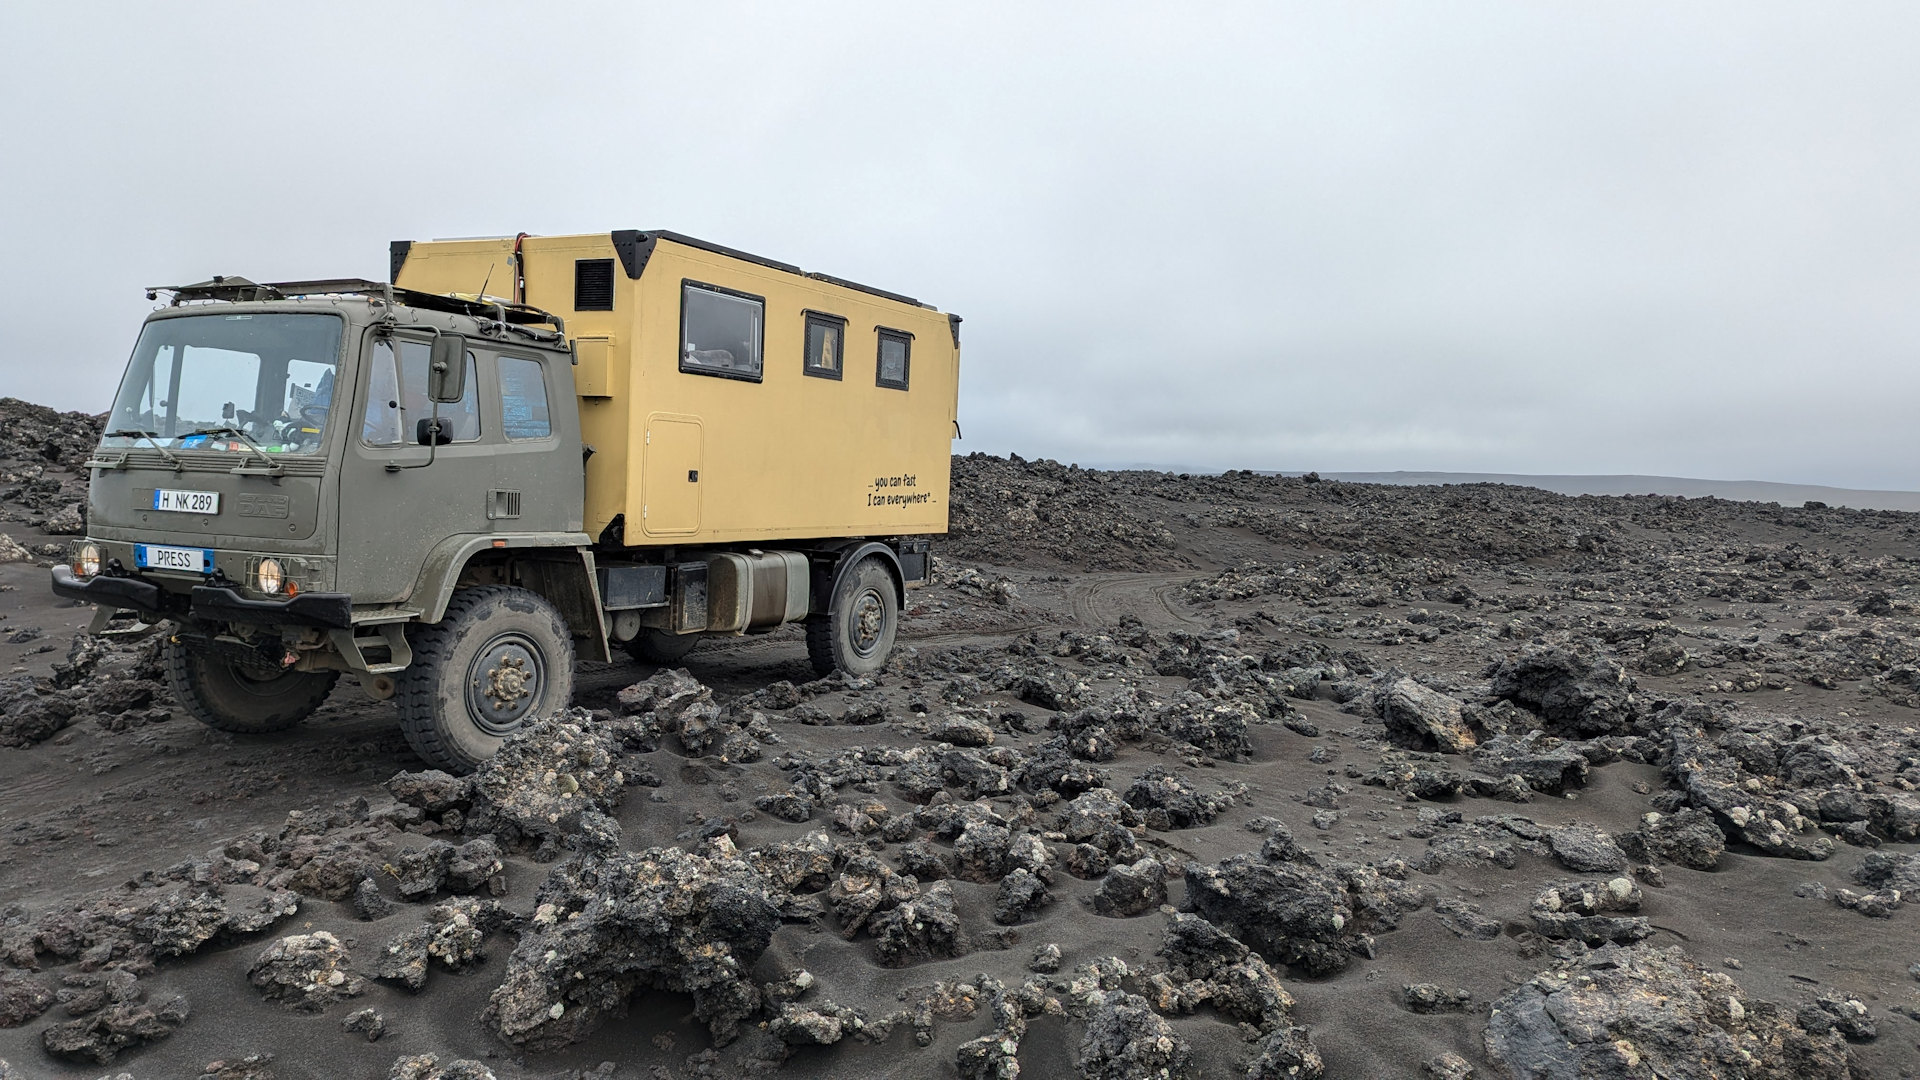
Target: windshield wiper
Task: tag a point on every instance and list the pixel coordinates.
(152, 437)
(274, 468)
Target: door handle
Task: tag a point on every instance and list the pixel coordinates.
(693, 476)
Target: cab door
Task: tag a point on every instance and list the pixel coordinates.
(394, 506)
(671, 492)
(538, 484)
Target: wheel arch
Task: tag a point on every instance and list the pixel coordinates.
(557, 566)
(831, 566)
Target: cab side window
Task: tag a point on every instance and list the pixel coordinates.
(523, 399)
(826, 343)
(397, 397)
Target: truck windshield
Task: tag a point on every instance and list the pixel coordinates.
(195, 380)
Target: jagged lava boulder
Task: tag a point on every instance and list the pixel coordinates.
(1575, 694)
(605, 926)
(1292, 913)
(1636, 1012)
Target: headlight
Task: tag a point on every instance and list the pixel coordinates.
(269, 577)
(86, 560)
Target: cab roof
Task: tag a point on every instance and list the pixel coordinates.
(229, 289)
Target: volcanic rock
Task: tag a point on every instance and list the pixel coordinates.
(923, 928)
(1020, 897)
(428, 1067)
(1466, 920)
(1425, 719)
(307, 972)
(1168, 802)
(1291, 913)
(1126, 1040)
(366, 1022)
(452, 934)
(1578, 695)
(251, 1067)
(1690, 838)
(1208, 967)
(433, 791)
(1586, 849)
(21, 998)
(1641, 1011)
(1132, 889)
(606, 925)
(103, 1035)
(1430, 998)
(1582, 911)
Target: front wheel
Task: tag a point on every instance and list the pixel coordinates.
(230, 696)
(856, 633)
(501, 658)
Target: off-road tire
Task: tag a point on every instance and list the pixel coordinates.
(856, 634)
(225, 697)
(489, 634)
(659, 648)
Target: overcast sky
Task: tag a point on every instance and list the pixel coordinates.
(1653, 238)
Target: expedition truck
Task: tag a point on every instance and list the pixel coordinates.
(644, 440)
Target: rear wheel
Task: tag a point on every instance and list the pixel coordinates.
(659, 648)
(500, 659)
(227, 695)
(856, 633)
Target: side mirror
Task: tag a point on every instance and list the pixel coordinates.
(447, 369)
(433, 431)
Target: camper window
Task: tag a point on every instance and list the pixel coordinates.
(720, 331)
(894, 348)
(826, 343)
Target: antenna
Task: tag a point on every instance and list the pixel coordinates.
(483, 281)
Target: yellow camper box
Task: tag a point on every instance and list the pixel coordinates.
(729, 398)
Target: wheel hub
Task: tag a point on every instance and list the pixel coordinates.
(507, 684)
(869, 616)
(504, 684)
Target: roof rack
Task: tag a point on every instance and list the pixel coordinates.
(240, 290)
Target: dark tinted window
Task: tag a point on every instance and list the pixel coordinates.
(895, 348)
(826, 345)
(720, 332)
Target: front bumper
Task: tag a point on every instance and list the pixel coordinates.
(213, 603)
(328, 611)
(123, 593)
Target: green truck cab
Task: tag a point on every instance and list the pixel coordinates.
(306, 479)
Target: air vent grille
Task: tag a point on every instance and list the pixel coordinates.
(593, 285)
(503, 505)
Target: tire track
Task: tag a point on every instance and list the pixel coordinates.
(1102, 600)
(1095, 599)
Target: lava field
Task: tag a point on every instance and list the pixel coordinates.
(1171, 776)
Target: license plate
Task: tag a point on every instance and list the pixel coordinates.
(186, 502)
(190, 560)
